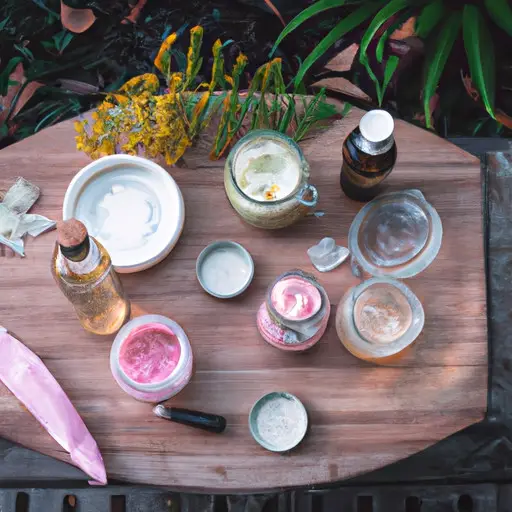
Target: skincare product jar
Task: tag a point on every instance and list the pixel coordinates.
(151, 358)
(295, 313)
(378, 319)
(266, 178)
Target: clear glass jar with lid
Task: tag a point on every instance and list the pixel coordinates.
(295, 313)
(378, 319)
(266, 178)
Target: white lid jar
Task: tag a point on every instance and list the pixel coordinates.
(158, 364)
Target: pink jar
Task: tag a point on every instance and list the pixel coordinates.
(296, 311)
(151, 358)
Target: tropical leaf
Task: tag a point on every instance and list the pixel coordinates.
(347, 24)
(6, 73)
(501, 13)
(379, 52)
(436, 61)
(430, 16)
(480, 52)
(372, 76)
(380, 18)
(389, 70)
(312, 10)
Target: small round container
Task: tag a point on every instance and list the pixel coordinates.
(278, 421)
(379, 318)
(131, 205)
(252, 170)
(396, 235)
(224, 269)
(128, 345)
(296, 311)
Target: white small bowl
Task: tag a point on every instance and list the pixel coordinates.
(295, 437)
(222, 245)
(131, 205)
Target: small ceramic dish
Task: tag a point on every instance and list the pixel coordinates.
(278, 421)
(224, 269)
(131, 205)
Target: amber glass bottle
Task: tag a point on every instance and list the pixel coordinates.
(83, 271)
(369, 155)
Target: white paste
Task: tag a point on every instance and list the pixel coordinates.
(225, 271)
(267, 170)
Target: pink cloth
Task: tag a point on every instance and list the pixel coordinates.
(30, 381)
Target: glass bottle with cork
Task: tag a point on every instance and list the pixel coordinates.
(83, 271)
(369, 155)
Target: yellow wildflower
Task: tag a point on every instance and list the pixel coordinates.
(163, 59)
(148, 82)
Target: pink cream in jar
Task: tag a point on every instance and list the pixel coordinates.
(151, 358)
(295, 314)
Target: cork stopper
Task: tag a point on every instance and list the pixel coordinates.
(73, 239)
(71, 233)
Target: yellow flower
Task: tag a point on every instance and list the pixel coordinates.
(148, 82)
(163, 59)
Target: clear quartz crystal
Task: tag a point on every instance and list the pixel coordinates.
(326, 255)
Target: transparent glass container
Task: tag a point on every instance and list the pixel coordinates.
(153, 391)
(288, 332)
(378, 319)
(270, 214)
(396, 235)
(94, 289)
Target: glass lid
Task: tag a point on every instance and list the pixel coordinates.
(396, 235)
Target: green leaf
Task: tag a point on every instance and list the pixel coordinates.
(347, 24)
(430, 16)
(389, 70)
(372, 76)
(501, 13)
(25, 52)
(4, 22)
(65, 41)
(346, 109)
(436, 61)
(480, 52)
(385, 36)
(312, 10)
(6, 73)
(288, 115)
(381, 17)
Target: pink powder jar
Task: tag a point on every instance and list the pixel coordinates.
(151, 358)
(295, 313)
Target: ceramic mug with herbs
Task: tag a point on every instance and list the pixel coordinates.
(267, 180)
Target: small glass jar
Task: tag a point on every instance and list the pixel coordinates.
(295, 313)
(279, 194)
(378, 319)
(143, 387)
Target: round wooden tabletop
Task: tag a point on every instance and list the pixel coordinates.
(361, 416)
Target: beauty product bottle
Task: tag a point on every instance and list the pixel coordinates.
(83, 271)
(369, 155)
(296, 311)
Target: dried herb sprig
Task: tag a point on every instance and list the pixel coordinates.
(142, 118)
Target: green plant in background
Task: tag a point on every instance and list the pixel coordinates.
(439, 22)
(139, 117)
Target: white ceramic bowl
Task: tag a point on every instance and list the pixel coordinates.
(131, 205)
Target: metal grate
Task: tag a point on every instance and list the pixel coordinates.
(461, 498)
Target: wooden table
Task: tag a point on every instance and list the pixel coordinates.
(362, 416)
